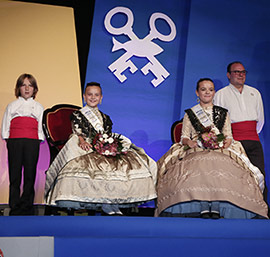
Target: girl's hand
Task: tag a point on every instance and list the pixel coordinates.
(192, 144)
(85, 146)
(227, 142)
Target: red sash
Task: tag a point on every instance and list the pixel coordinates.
(245, 130)
(23, 127)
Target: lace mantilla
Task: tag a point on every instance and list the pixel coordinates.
(219, 118)
(82, 127)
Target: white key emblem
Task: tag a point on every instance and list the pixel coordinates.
(138, 47)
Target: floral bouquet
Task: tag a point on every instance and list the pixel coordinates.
(109, 145)
(211, 138)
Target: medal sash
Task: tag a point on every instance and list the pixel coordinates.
(92, 118)
(203, 118)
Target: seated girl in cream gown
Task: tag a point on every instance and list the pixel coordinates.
(87, 175)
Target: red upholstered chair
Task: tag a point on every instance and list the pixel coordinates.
(176, 131)
(57, 126)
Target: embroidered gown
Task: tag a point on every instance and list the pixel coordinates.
(188, 177)
(87, 180)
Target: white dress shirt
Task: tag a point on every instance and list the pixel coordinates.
(22, 108)
(244, 106)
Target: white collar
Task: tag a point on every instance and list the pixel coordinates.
(23, 99)
(235, 89)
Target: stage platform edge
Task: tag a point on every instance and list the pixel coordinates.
(144, 236)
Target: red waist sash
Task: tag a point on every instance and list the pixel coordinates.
(23, 127)
(245, 130)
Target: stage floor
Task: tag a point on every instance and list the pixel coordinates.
(144, 236)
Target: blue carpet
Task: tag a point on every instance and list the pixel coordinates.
(144, 236)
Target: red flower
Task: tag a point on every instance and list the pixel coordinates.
(210, 140)
(109, 145)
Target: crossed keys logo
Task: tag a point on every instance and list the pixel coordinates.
(139, 47)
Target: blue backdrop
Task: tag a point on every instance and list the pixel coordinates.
(209, 35)
(138, 109)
